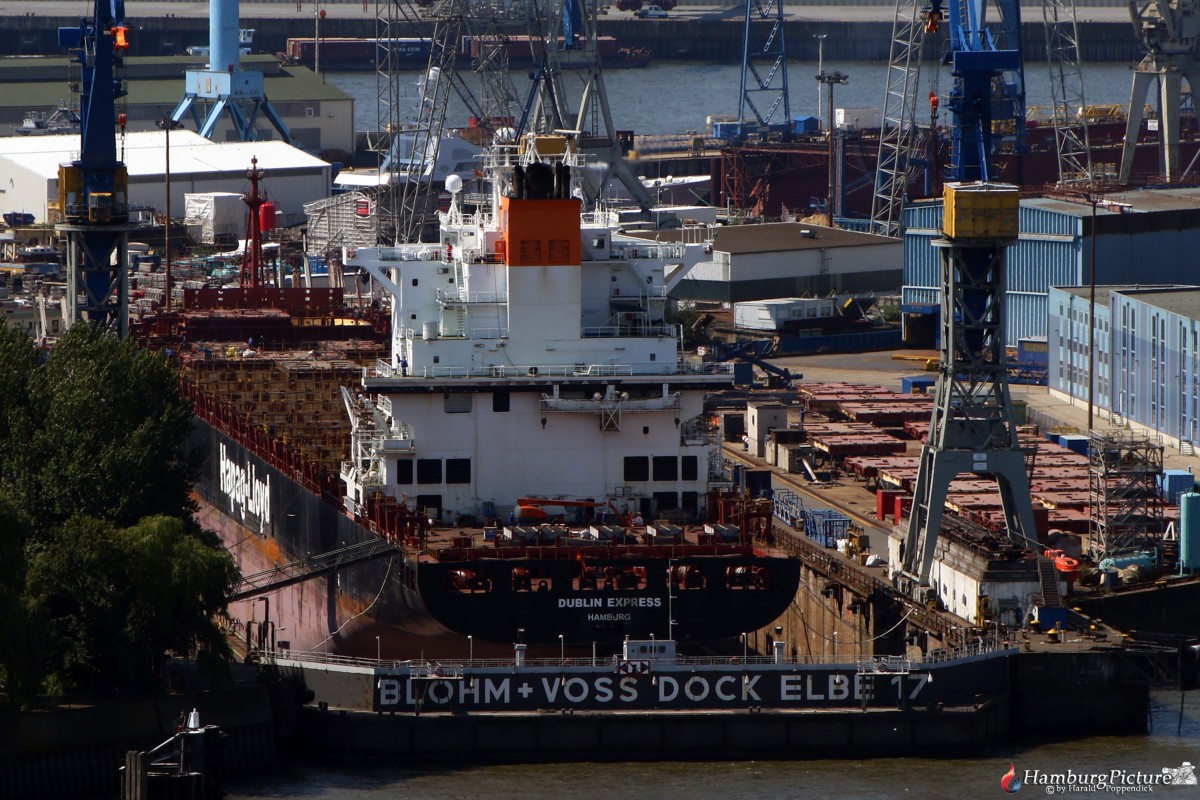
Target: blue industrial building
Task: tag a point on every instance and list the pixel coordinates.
(1142, 236)
(1147, 355)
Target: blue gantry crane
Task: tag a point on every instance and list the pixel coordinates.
(93, 190)
(986, 101)
(972, 429)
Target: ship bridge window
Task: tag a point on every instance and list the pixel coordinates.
(458, 470)
(468, 581)
(747, 577)
(666, 501)
(689, 468)
(458, 403)
(666, 468)
(637, 468)
(429, 470)
(625, 578)
(404, 471)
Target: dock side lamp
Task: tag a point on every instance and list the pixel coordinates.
(562, 649)
(470, 649)
(830, 79)
(166, 125)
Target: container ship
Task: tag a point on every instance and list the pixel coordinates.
(527, 364)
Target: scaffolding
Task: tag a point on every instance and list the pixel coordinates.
(1126, 506)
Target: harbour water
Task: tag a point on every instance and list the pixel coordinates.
(1174, 740)
(676, 97)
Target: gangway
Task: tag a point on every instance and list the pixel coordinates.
(312, 567)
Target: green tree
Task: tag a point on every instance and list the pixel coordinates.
(106, 425)
(114, 602)
(18, 357)
(20, 651)
(100, 556)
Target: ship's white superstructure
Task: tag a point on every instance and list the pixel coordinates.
(531, 355)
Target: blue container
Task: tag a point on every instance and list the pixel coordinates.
(743, 373)
(806, 124)
(1173, 483)
(917, 384)
(1076, 442)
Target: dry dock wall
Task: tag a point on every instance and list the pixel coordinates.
(649, 736)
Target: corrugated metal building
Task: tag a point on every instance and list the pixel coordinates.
(1145, 234)
(1147, 362)
(789, 259)
(319, 115)
(292, 177)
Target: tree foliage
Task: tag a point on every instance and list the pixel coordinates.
(106, 423)
(115, 601)
(99, 553)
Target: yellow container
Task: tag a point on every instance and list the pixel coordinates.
(981, 211)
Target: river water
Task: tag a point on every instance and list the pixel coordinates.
(1175, 739)
(676, 97)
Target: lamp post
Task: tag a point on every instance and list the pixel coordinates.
(378, 657)
(562, 649)
(166, 125)
(745, 644)
(1094, 197)
(470, 649)
(830, 79)
(318, 15)
(820, 37)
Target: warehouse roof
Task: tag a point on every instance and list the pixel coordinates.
(145, 155)
(778, 237)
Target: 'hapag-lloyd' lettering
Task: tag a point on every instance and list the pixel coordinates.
(247, 494)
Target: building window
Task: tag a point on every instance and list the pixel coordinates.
(429, 470)
(501, 401)
(458, 470)
(666, 468)
(637, 468)
(689, 468)
(404, 472)
(458, 403)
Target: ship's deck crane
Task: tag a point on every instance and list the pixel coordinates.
(93, 190)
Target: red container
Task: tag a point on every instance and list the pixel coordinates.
(903, 507)
(885, 503)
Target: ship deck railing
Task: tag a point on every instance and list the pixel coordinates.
(451, 669)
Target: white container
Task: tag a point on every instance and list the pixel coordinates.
(853, 119)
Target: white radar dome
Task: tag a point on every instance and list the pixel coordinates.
(453, 184)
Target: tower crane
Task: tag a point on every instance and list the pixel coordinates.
(93, 190)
